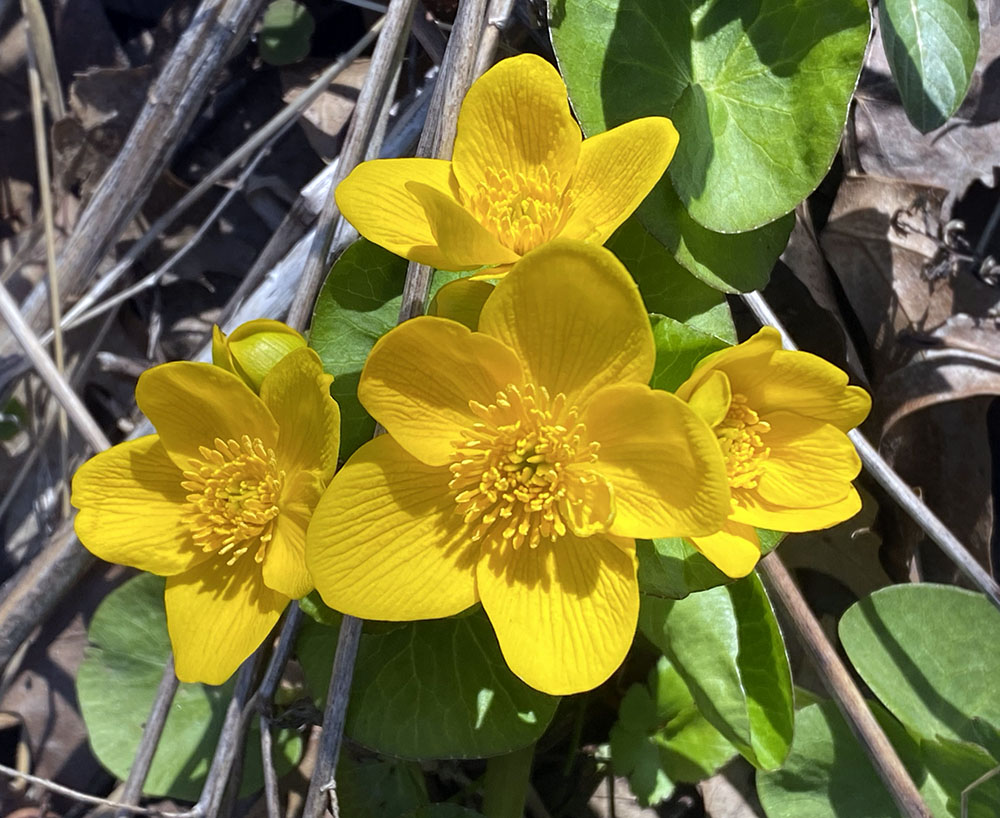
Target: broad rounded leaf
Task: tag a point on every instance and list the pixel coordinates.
(358, 304)
(376, 788)
(432, 689)
(668, 288)
(116, 685)
(828, 775)
(926, 652)
(758, 91)
(932, 47)
(726, 645)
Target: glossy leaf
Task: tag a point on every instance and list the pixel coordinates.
(432, 689)
(924, 650)
(758, 91)
(678, 350)
(726, 645)
(376, 788)
(668, 288)
(661, 737)
(358, 304)
(116, 685)
(828, 775)
(932, 47)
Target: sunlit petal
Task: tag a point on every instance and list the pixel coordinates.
(734, 550)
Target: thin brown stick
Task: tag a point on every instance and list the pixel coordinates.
(40, 44)
(372, 98)
(172, 103)
(838, 682)
(150, 737)
(49, 373)
(83, 797)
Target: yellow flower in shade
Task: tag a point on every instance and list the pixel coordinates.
(520, 462)
(217, 501)
(780, 417)
(520, 175)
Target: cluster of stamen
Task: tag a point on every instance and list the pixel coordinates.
(233, 500)
(741, 434)
(521, 210)
(516, 475)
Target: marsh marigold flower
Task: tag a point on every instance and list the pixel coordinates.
(780, 417)
(520, 462)
(520, 175)
(217, 501)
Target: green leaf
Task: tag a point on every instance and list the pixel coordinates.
(932, 47)
(443, 811)
(358, 304)
(667, 288)
(661, 737)
(678, 350)
(759, 91)
(923, 650)
(434, 689)
(116, 685)
(828, 775)
(730, 262)
(285, 32)
(376, 788)
(673, 568)
(726, 645)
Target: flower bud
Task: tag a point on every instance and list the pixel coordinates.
(252, 349)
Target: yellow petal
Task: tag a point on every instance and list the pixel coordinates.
(564, 612)
(192, 404)
(712, 397)
(257, 346)
(221, 356)
(297, 393)
(811, 463)
(461, 300)
(734, 550)
(775, 379)
(662, 460)
(615, 172)
(753, 510)
(375, 199)
(462, 242)
(131, 508)
(753, 354)
(574, 317)
(217, 615)
(385, 541)
(420, 376)
(516, 118)
(284, 569)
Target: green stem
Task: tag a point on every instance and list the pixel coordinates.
(506, 783)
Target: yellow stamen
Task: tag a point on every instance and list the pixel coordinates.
(741, 435)
(233, 500)
(520, 473)
(521, 210)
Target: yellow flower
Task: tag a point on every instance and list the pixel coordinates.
(252, 349)
(217, 501)
(780, 417)
(520, 176)
(520, 462)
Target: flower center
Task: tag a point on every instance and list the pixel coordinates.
(522, 210)
(741, 434)
(234, 490)
(521, 472)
